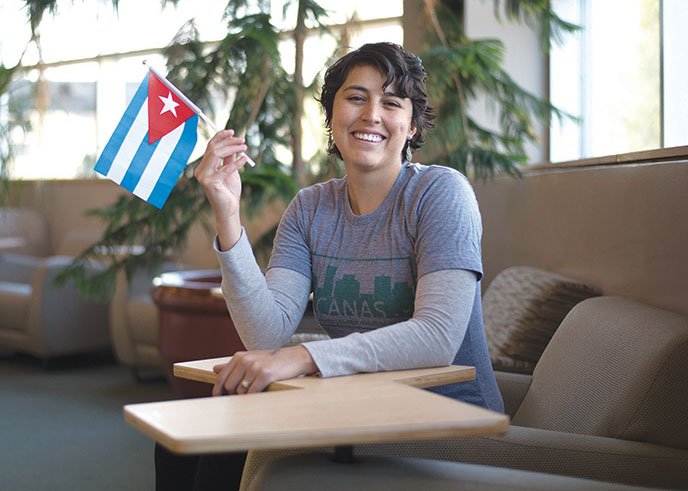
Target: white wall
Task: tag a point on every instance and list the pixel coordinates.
(524, 62)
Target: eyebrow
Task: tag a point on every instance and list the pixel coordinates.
(364, 89)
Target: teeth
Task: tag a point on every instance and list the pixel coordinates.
(368, 137)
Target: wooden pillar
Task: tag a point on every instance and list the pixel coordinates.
(414, 25)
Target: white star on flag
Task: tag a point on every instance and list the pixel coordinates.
(169, 104)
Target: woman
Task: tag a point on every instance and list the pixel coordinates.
(391, 252)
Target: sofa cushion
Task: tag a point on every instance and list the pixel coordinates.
(317, 471)
(15, 299)
(529, 449)
(614, 368)
(522, 308)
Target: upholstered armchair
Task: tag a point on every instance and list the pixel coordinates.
(36, 316)
(42, 319)
(134, 322)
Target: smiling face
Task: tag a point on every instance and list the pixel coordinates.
(369, 125)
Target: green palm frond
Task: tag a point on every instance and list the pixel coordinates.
(463, 71)
(539, 15)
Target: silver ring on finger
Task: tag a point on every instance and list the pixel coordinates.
(245, 384)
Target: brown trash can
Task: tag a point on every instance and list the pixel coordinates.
(194, 324)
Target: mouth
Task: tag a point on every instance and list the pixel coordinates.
(368, 137)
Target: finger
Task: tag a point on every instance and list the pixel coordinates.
(221, 136)
(210, 167)
(223, 133)
(234, 164)
(259, 384)
(218, 387)
(245, 385)
(222, 155)
(219, 143)
(249, 366)
(240, 369)
(223, 151)
(223, 375)
(264, 373)
(222, 140)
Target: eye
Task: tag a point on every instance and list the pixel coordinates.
(392, 103)
(355, 98)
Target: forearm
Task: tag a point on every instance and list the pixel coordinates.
(444, 301)
(265, 309)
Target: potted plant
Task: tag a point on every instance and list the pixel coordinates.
(267, 107)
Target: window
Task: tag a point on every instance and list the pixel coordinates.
(675, 73)
(83, 88)
(622, 76)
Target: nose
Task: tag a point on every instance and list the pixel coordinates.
(371, 113)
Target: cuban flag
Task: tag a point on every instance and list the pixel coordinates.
(152, 143)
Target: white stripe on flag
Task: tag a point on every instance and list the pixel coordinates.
(157, 162)
(130, 145)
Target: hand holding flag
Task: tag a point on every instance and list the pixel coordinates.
(152, 143)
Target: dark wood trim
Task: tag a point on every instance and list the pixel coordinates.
(644, 156)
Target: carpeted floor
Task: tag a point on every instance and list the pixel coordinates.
(61, 428)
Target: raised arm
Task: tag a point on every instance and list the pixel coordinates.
(218, 174)
(261, 319)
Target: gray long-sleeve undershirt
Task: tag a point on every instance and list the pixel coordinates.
(266, 311)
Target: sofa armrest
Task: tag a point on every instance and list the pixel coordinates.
(18, 268)
(61, 320)
(513, 387)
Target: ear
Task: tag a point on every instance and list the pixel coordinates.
(412, 132)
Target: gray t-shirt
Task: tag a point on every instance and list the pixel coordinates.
(365, 270)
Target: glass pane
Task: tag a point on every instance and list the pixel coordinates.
(618, 96)
(80, 104)
(61, 142)
(566, 82)
(675, 40)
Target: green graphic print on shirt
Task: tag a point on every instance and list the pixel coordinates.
(355, 295)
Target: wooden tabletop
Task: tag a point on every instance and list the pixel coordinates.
(362, 408)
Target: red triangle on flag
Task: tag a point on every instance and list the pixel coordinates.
(165, 110)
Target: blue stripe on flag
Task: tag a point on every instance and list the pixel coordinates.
(176, 163)
(138, 164)
(113, 145)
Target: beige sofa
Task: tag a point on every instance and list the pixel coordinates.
(607, 402)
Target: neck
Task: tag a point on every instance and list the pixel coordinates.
(368, 191)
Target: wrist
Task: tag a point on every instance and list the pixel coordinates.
(228, 233)
(308, 366)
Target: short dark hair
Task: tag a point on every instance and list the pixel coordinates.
(401, 68)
